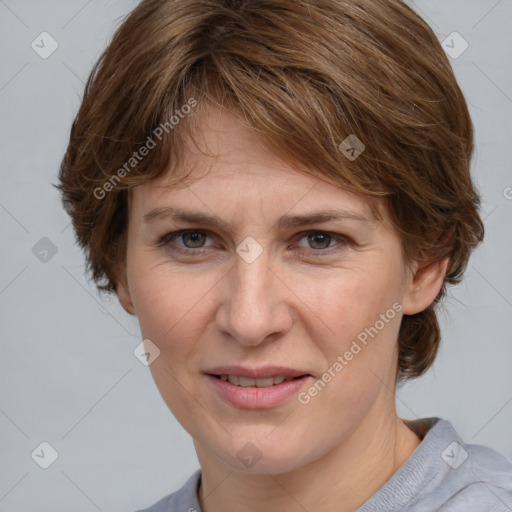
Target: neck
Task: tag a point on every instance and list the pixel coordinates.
(341, 480)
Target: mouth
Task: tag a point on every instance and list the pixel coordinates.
(247, 382)
(262, 388)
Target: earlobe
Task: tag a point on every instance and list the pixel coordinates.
(424, 286)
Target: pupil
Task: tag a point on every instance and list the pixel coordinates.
(195, 241)
(325, 237)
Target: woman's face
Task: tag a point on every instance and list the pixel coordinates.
(254, 289)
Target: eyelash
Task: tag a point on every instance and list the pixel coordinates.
(315, 253)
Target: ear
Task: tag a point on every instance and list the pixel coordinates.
(424, 284)
(123, 292)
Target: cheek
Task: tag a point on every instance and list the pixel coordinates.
(172, 312)
(348, 305)
(170, 303)
(359, 348)
(358, 344)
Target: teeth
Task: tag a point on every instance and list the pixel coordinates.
(246, 382)
(264, 383)
(233, 380)
(259, 383)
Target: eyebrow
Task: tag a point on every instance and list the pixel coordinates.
(196, 217)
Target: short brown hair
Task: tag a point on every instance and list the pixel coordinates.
(305, 75)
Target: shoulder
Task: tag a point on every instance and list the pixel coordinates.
(483, 480)
(185, 499)
(473, 476)
(446, 475)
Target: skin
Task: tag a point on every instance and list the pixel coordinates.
(286, 308)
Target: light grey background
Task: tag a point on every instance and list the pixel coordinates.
(68, 375)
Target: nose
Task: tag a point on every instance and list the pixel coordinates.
(254, 308)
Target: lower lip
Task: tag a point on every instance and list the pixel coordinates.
(254, 397)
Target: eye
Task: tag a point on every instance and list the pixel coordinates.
(318, 239)
(319, 243)
(190, 239)
(196, 239)
(192, 242)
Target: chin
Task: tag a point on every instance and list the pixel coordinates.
(251, 456)
(270, 464)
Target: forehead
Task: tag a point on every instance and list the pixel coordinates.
(225, 162)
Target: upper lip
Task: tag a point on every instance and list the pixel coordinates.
(256, 373)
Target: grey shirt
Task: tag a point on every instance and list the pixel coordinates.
(443, 474)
